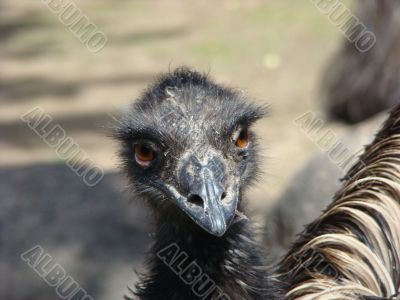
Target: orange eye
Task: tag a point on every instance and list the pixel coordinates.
(243, 139)
(143, 155)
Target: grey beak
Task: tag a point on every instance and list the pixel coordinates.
(207, 194)
(212, 194)
(208, 203)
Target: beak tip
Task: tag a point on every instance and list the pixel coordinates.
(218, 229)
(218, 233)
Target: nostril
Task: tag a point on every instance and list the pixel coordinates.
(196, 200)
(223, 196)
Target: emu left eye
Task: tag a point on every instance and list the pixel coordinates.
(242, 140)
(144, 155)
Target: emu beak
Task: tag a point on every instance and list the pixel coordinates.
(211, 202)
(206, 206)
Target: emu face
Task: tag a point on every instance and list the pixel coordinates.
(187, 147)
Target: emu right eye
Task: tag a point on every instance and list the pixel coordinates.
(144, 155)
(242, 139)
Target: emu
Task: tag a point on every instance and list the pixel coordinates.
(359, 84)
(188, 148)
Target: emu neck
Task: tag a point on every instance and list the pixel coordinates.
(188, 263)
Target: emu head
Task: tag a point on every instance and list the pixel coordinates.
(188, 148)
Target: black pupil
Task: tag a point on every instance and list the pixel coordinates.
(145, 150)
(242, 135)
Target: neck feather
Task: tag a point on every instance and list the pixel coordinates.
(188, 263)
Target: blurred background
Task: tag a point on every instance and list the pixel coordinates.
(288, 54)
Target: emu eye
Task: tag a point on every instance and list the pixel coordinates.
(243, 138)
(144, 155)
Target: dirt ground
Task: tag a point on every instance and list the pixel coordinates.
(274, 50)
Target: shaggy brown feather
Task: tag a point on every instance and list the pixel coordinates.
(353, 249)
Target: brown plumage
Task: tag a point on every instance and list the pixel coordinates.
(353, 248)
